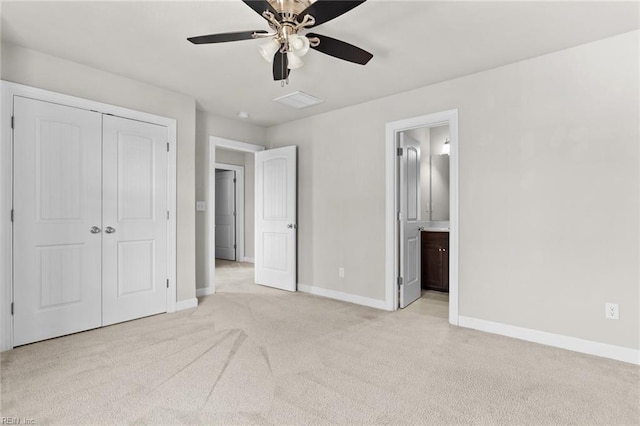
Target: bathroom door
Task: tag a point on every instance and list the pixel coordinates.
(409, 219)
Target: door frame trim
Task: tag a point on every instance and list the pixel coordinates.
(233, 145)
(239, 197)
(8, 91)
(449, 117)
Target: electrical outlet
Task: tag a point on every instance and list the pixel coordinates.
(612, 311)
(341, 272)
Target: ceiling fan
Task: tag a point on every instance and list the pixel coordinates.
(289, 20)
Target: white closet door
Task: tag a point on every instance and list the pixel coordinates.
(57, 202)
(226, 214)
(134, 218)
(276, 218)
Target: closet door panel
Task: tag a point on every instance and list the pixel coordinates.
(134, 217)
(57, 204)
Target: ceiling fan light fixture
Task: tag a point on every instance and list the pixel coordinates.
(299, 44)
(294, 61)
(269, 49)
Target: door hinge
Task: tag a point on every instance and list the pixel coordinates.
(167, 146)
(399, 281)
(167, 282)
(234, 246)
(13, 122)
(234, 180)
(11, 215)
(399, 152)
(167, 214)
(234, 214)
(11, 308)
(400, 216)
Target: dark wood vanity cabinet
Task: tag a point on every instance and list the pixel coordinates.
(435, 261)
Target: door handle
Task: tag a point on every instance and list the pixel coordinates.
(109, 230)
(94, 230)
(292, 226)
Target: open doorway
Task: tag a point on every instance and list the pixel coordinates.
(236, 157)
(270, 218)
(422, 212)
(424, 222)
(230, 211)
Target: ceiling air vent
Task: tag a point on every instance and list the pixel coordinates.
(298, 100)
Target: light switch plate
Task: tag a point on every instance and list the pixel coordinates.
(200, 206)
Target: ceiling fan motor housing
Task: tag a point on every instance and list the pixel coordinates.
(289, 9)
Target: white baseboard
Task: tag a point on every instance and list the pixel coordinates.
(345, 297)
(249, 259)
(604, 350)
(205, 291)
(186, 304)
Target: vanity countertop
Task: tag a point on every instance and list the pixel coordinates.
(435, 226)
(435, 229)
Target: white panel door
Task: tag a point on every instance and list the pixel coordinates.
(134, 246)
(276, 218)
(410, 289)
(57, 204)
(226, 214)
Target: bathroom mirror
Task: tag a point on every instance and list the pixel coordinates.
(434, 172)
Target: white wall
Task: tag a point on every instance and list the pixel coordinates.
(229, 157)
(249, 205)
(549, 221)
(211, 125)
(36, 69)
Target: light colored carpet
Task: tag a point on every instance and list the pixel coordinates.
(253, 355)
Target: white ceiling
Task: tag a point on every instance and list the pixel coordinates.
(414, 43)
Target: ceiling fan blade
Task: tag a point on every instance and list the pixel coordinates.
(224, 37)
(280, 63)
(260, 6)
(326, 10)
(341, 50)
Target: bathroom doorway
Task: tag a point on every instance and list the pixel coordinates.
(423, 188)
(422, 220)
